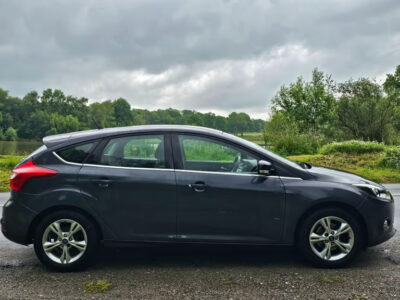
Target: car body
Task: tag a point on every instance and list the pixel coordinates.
(186, 184)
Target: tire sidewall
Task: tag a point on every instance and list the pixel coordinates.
(92, 241)
(304, 232)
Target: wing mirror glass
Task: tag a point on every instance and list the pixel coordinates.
(264, 167)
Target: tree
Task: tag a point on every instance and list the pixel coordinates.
(220, 123)
(52, 112)
(36, 125)
(209, 120)
(11, 134)
(311, 105)
(191, 117)
(238, 122)
(392, 88)
(392, 85)
(364, 111)
(62, 124)
(122, 112)
(31, 101)
(101, 114)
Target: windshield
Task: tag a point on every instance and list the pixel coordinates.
(267, 152)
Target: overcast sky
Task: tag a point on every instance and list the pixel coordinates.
(207, 55)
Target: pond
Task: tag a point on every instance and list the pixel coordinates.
(18, 147)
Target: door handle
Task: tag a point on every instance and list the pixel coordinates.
(198, 186)
(103, 182)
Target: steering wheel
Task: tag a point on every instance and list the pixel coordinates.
(241, 165)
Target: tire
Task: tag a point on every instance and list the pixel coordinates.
(65, 251)
(342, 243)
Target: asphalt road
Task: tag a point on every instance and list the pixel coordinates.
(227, 272)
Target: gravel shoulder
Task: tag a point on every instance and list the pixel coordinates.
(206, 272)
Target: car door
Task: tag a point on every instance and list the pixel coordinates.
(131, 185)
(220, 195)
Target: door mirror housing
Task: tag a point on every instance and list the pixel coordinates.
(264, 167)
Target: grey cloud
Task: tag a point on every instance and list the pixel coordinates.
(206, 55)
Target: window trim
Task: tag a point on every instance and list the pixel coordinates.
(65, 161)
(176, 170)
(238, 174)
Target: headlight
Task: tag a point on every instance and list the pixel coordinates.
(380, 193)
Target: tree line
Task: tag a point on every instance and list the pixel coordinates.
(304, 114)
(35, 116)
(307, 114)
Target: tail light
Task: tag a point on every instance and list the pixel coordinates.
(25, 171)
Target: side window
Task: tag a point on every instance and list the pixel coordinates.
(205, 154)
(141, 151)
(76, 153)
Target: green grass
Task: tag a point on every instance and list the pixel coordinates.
(367, 165)
(255, 137)
(357, 147)
(7, 163)
(100, 286)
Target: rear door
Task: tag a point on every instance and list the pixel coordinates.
(221, 197)
(131, 184)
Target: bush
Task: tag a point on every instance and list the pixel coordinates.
(284, 137)
(295, 144)
(356, 147)
(391, 158)
(11, 134)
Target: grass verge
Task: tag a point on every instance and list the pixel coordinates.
(366, 165)
(7, 163)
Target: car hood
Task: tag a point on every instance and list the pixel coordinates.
(332, 175)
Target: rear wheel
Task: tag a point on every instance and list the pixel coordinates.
(66, 241)
(330, 237)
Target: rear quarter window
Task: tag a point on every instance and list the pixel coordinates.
(76, 153)
(36, 152)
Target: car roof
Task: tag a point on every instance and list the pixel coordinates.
(81, 136)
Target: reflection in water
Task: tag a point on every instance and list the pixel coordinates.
(18, 147)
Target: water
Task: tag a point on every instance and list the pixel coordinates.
(18, 147)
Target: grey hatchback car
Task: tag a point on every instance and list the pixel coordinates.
(184, 184)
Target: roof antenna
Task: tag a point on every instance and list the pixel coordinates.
(97, 124)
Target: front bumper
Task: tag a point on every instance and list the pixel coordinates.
(379, 218)
(16, 221)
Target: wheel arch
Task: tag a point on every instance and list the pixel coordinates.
(52, 209)
(333, 204)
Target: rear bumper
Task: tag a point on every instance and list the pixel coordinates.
(379, 218)
(16, 221)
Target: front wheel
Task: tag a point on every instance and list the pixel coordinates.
(330, 237)
(65, 241)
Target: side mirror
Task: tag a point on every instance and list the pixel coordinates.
(264, 167)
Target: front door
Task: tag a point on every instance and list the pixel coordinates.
(131, 185)
(221, 197)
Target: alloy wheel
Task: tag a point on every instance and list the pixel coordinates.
(64, 241)
(331, 238)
